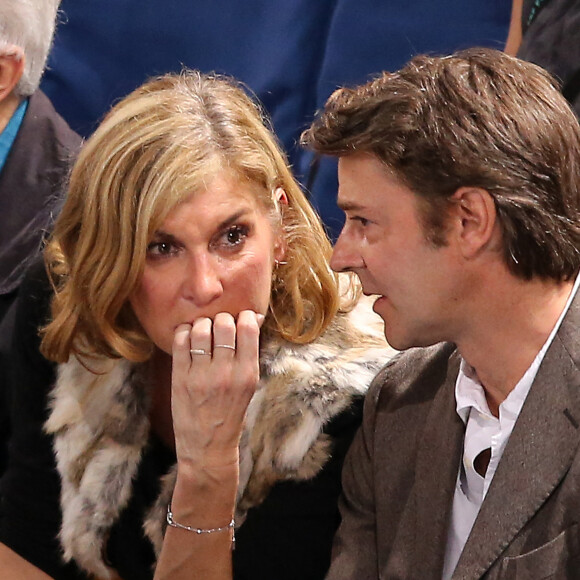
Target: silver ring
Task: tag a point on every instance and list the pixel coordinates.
(224, 346)
(199, 351)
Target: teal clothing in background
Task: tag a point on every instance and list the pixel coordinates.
(10, 131)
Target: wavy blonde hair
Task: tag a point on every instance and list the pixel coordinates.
(155, 148)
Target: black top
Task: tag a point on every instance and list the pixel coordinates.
(288, 536)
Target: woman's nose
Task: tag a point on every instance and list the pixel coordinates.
(202, 280)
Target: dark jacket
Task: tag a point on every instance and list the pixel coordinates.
(551, 39)
(31, 186)
(400, 475)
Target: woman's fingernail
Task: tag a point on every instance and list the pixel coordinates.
(260, 318)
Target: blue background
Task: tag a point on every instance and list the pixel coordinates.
(292, 54)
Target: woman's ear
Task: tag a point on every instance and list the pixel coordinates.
(280, 196)
(280, 252)
(280, 247)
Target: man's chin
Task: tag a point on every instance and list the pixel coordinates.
(378, 304)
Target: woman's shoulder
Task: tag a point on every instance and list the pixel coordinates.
(340, 363)
(308, 400)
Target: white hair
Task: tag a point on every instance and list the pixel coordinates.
(29, 25)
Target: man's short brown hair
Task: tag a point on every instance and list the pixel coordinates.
(477, 118)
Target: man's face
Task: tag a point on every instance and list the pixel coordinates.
(384, 243)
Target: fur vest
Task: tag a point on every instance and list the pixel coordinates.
(100, 427)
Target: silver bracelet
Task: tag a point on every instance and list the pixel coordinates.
(175, 524)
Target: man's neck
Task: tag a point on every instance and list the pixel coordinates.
(7, 108)
(509, 331)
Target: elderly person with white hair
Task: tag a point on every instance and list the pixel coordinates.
(36, 145)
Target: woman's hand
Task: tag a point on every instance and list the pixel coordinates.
(215, 373)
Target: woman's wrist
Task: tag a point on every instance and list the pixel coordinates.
(202, 497)
(220, 471)
(229, 527)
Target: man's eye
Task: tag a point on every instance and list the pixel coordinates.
(361, 220)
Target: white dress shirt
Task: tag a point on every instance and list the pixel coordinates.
(484, 431)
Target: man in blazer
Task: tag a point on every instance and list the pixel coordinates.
(460, 180)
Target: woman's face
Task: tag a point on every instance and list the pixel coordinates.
(215, 252)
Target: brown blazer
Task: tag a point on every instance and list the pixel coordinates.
(399, 476)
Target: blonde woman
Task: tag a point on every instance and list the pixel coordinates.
(207, 379)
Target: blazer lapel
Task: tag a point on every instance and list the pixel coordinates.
(538, 454)
(437, 461)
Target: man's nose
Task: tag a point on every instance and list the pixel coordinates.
(345, 255)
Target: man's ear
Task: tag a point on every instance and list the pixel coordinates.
(475, 219)
(11, 70)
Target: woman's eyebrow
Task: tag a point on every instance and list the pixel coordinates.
(164, 235)
(233, 218)
(161, 233)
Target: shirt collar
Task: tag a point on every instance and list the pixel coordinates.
(469, 391)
